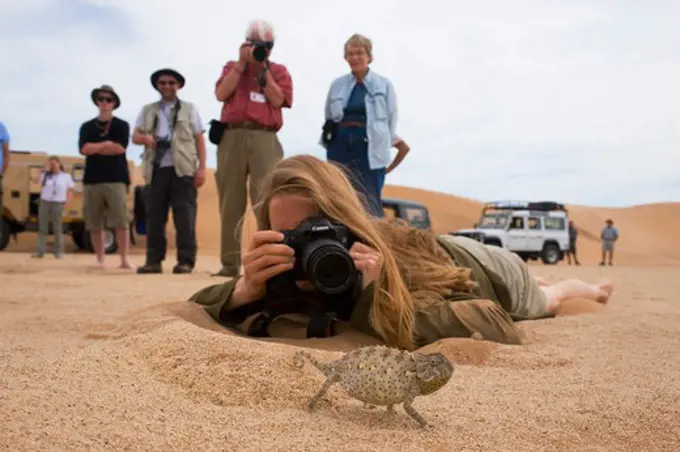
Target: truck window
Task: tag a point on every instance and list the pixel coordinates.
(534, 223)
(517, 223)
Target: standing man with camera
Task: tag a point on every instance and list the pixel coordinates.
(173, 164)
(253, 89)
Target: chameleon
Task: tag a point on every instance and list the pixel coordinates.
(381, 375)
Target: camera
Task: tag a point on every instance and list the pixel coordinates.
(162, 146)
(260, 49)
(322, 256)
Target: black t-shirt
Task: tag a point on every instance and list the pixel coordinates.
(105, 168)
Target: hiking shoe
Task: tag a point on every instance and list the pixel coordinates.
(150, 268)
(225, 273)
(182, 268)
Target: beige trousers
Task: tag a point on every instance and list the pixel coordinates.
(242, 154)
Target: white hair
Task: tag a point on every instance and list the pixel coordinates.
(260, 29)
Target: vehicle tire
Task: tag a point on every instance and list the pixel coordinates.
(550, 254)
(4, 234)
(78, 238)
(110, 242)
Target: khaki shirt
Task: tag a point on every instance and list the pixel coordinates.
(484, 311)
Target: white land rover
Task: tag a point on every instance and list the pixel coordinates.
(532, 230)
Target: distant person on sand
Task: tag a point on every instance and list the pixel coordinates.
(416, 287)
(4, 159)
(173, 165)
(56, 191)
(254, 90)
(573, 235)
(360, 120)
(609, 236)
(103, 141)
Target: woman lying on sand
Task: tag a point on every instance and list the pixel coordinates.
(416, 287)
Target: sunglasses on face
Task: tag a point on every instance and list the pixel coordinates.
(267, 44)
(167, 82)
(105, 99)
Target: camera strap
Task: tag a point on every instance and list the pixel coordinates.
(174, 119)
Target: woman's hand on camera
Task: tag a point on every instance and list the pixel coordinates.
(265, 258)
(368, 261)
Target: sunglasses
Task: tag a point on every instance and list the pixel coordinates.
(167, 82)
(267, 44)
(105, 99)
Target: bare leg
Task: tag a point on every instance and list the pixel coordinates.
(97, 238)
(575, 288)
(124, 247)
(541, 282)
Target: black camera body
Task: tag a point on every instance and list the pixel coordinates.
(259, 52)
(162, 146)
(322, 256)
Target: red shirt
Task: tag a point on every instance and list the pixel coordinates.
(239, 108)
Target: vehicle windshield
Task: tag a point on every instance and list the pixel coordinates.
(494, 221)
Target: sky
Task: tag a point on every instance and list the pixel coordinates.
(576, 101)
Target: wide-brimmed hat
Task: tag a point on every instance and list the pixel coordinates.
(167, 71)
(108, 89)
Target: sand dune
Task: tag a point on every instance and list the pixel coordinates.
(648, 233)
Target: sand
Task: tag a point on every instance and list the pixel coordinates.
(95, 360)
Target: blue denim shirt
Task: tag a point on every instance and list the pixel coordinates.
(381, 113)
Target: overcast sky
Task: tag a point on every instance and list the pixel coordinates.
(576, 101)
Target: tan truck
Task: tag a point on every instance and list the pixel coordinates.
(21, 189)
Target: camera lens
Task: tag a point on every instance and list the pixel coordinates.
(328, 266)
(259, 53)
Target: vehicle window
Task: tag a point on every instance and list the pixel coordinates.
(415, 215)
(77, 173)
(493, 221)
(534, 223)
(517, 223)
(554, 224)
(389, 213)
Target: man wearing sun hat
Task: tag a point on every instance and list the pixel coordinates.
(103, 141)
(173, 164)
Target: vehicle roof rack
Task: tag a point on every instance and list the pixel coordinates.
(525, 205)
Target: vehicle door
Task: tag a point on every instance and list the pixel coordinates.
(516, 235)
(535, 234)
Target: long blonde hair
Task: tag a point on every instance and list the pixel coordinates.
(415, 269)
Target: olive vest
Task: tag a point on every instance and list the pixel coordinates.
(183, 141)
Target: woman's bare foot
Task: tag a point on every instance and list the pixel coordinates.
(98, 266)
(126, 264)
(605, 287)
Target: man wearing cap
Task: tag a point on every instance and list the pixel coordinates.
(173, 164)
(253, 90)
(103, 141)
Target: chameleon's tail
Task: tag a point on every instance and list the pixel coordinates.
(300, 357)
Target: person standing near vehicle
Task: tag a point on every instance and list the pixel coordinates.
(103, 141)
(253, 90)
(173, 165)
(56, 192)
(609, 236)
(573, 235)
(4, 160)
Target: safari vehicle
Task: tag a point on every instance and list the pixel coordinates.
(414, 213)
(532, 230)
(21, 184)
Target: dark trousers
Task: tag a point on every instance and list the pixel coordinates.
(169, 190)
(350, 149)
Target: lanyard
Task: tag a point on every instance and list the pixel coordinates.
(174, 119)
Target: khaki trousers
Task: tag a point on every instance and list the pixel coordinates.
(241, 154)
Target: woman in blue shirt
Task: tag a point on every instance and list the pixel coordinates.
(361, 115)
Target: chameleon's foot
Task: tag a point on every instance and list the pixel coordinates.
(414, 414)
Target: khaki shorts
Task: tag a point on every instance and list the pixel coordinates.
(527, 298)
(104, 205)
